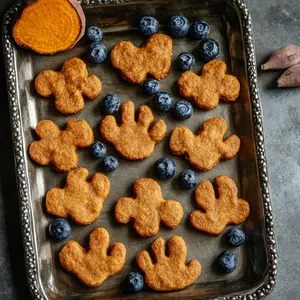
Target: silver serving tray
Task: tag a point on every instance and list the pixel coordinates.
(231, 26)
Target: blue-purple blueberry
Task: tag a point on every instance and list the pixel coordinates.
(98, 150)
(209, 49)
(97, 53)
(179, 26)
(59, 229)
(151, 86)
(165, 168)
(148, 25)
(94, 34)
(185, 61)
(199, 30)
(235, 236)
(134, 281)
(163, 102)
(187, 179)
(183, 109)
(111, 104)
(227, 262)
(110, 163)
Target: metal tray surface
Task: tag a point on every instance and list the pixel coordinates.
(231, 26)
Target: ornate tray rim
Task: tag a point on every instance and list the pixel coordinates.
(21, 169)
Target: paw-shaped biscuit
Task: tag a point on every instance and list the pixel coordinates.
(134, 64)
(68, 85)
(168, 273)
(133, 140)
(215, 212)
(213, 84)
(93, 266)
(148, 209)
(58, 147)
(205, 149)
(79, 199)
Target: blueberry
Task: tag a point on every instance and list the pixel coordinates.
(227, 262)
(134, 281)
(110, 163)
(183, 109)
(98, 150)
(209, 49)
(165, 168)
(235, 236)
(94, 34)
(59, 229)
(111, 104)
(148, 25)
(179, 26)
(185, 61)
(163, 101)
(187, 179)
(151, 86)
(97, 53)
(199, 30)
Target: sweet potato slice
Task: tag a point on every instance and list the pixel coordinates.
(50, 26)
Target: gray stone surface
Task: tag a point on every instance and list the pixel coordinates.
(276, 23)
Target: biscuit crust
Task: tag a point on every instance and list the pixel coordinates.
(213, 84)
(205, 149)
(58, 147)
(80, 199)
(168, 273)
(133, 140)
(147, 209)
(95, 265)
(134, 64)
(68, 86)
(217, 212)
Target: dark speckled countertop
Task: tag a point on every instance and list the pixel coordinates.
(276, 23)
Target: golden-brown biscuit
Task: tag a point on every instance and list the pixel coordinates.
(133, 140)
(134, 64)
(168, 273)
(58, 147)
(217, 211)
(205, 149)
(148, 209)
(93, 266)
(79, 199)
(213, 84)
(68, 85)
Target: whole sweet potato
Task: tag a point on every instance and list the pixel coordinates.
(283, 58)
(290, 78)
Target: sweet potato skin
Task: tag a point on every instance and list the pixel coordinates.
(29, 32)
(81, 16)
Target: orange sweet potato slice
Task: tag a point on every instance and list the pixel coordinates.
(50, 26)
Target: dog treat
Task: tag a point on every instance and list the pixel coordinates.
(50, 26)
(168, 273)
(205, 149)
(93, 266)
(133, 140)
(215, 213)
(79, 199)
(213, 84)
(68, 85)
(148, 209)
(134, 64)
(283, 58)
(58, 147)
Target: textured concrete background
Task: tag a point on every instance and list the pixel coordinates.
(276, 23)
